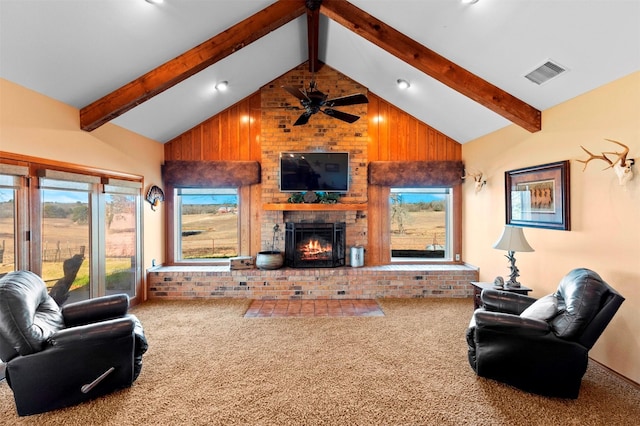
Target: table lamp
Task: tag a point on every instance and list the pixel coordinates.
(512, 240)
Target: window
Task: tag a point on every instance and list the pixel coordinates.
(206, 224)
(13, 217)
(421, 224)
(9, 186)
(121, 205)
(79, 231)
(7, 224)
(66, 219)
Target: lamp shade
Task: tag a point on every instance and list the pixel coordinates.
(512, 239)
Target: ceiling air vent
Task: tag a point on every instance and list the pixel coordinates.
(545, 72)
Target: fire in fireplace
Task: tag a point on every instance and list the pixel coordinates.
(314, 245)
(315, 250)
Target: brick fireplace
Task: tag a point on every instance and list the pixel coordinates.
(256, 130)
(322, 134)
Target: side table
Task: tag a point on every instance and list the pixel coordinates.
(479, 286)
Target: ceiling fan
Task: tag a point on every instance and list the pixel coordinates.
(314, 101)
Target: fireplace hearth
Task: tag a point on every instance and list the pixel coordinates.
(314, 245)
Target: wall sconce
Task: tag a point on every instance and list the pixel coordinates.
(403, 84)
(621, 166)
(221, 86)
(478, 179)
(512, 240)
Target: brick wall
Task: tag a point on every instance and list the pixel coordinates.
(389, 281)
(323, 134)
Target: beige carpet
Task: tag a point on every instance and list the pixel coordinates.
(208, 365)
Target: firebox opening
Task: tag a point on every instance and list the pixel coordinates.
(315, 248)
(313, 245)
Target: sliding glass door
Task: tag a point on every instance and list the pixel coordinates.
(9, 187)
(66, 238)
(80, 232)
(121, 240)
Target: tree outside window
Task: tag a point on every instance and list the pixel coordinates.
(420, 223)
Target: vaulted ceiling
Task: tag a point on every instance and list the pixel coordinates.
(151, 68)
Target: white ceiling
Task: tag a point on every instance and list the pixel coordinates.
(77, 51)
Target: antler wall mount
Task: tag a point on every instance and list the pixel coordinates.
(621, 165)
(478, 179)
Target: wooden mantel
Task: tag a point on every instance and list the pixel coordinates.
(314, 207)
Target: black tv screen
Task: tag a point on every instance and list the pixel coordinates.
(314, 171)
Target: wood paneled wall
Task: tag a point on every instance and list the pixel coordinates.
(395, 135)
(235, 134)
(232, 135)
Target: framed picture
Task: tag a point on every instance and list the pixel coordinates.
(538, 197)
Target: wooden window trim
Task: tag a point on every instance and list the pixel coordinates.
(35, 163)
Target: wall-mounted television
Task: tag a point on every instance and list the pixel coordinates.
(314, 171)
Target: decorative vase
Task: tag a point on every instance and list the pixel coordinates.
(269, 260)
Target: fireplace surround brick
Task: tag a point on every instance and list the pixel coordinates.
(388, 281)
(323, 133)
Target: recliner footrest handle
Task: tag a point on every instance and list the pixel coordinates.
(87, 388)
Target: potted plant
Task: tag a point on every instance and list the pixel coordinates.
(270, 259)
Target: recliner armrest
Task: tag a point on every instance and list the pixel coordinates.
(93, 310)
(505, 301)
(510, 323)
(84, 335)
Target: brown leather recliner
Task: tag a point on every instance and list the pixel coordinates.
(541, 346)
(56, 357)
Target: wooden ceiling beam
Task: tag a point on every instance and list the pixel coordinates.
(313, 31)
(189, 63)
(433, 64)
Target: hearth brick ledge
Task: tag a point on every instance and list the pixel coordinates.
(389, 281)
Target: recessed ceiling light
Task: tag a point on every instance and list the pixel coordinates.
(154, 1)
(469, 1)
(221, 86)
(403, 84)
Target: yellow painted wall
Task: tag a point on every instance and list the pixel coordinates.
(605, 217)
(35, 125)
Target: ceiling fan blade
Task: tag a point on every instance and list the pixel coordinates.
(303, 119)
(296, 92)
(285, 107)
(349, 118)
(348, 100)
